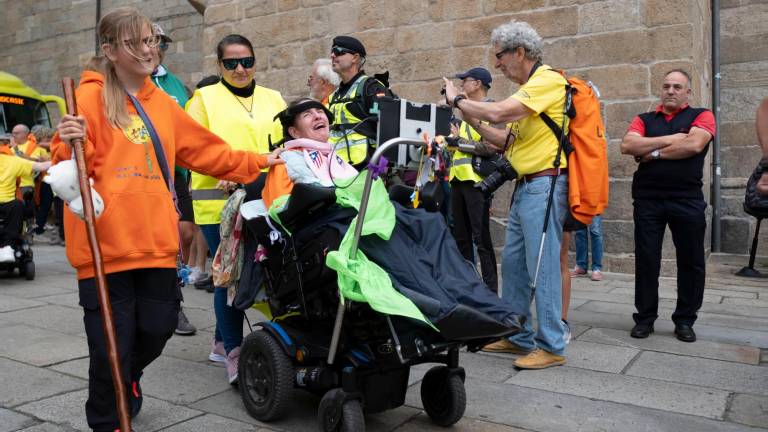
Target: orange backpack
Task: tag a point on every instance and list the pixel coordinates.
(586, 148)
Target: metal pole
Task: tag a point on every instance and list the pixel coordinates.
(358, 231)
(716, 170)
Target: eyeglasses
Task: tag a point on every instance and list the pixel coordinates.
(163, 46)
(150, 41)
(231, 64)
(501, 53)
(339, 51)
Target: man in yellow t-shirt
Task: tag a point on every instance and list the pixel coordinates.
(531, 147)
(11, 209)
(24, 147)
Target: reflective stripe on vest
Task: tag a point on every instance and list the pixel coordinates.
(461, 166)
(229, 120)
(208, 194)
(341, 137)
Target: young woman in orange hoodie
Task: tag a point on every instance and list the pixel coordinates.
(138, 229)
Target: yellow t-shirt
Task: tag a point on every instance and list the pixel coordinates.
(37, 153)
(535, 148)
(11, 167)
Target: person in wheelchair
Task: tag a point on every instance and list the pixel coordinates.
(11, 209)
(420, 257)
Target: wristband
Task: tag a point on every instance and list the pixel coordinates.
(457, 99)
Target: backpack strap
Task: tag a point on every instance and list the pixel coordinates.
(564, 142)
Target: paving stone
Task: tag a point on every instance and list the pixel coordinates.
(692, 370)
(24, 383)
(13, 421)
(485, 367)
(598, 357)
(181, 381)
(68, 410)
(724, 319)
(193, 348)
(48, 427)
(749, 410)
(11, 303)
(702, 348)
(70, 299)
(33, 289)
(40, 347)
(649, 393)
(746, 302)
(77, 368)
(62, 319)
(544, 411)
(709, 296)
(210, 422)
(303, 413)
(672, 292)
(665, 328)
(422, 423)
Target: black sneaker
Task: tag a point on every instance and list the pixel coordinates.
(205, 283)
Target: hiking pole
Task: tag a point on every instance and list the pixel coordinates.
(556, 165)
(105, 307)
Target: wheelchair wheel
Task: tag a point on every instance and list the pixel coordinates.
(336, 414)
(29, 270)
(266, 377)
(443, 396)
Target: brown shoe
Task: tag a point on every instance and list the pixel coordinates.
(503, 345)
(539, 359)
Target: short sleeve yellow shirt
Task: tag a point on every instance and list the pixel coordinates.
(11, 167)
(535, 147)
(29, 180)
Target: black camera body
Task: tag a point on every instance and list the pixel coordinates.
(502, 172)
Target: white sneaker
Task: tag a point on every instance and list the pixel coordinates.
(7, 255)
(567, 335)
(195, 275)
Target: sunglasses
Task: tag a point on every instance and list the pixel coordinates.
(339, 51)
(231, 64)
(164, 46)
(150, 42)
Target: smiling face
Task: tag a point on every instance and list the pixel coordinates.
(240, 76)
(132, 53)
(675, 92)
(312, 124)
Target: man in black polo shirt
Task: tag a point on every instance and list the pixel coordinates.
(670, 145)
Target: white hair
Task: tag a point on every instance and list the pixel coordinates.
(325, 71)
(515, 34)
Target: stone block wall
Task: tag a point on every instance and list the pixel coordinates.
(624, 46)
(744, 83)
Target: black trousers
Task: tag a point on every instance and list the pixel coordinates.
(44, 209)
(28, 195)
(58, 211)
(145, 307)
(687, 223)
(471, 226)
(12, 213)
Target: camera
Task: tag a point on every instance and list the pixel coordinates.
(502, 172)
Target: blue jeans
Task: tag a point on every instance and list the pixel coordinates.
(518, 262)
(596, 236)
(229, 320)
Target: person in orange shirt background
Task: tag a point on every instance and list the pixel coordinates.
(138, 228)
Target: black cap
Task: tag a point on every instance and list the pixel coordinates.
(478, 73)
(288, 115)
(349, 43)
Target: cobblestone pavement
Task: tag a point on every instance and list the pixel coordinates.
(611, 382)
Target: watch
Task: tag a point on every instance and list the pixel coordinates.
(656, 154)
(457, 99)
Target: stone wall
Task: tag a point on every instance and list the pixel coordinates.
(624, 46)
(44, 41)
(744, 71)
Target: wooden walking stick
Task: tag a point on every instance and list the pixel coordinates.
(105, 306)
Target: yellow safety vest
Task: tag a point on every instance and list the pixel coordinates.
(461, 164)
(243, 131)
(350, 145)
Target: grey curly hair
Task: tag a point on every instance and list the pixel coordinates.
(518, 34)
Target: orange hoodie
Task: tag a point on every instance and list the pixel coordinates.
(139, 225)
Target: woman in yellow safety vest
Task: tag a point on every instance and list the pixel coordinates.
(242, 113)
